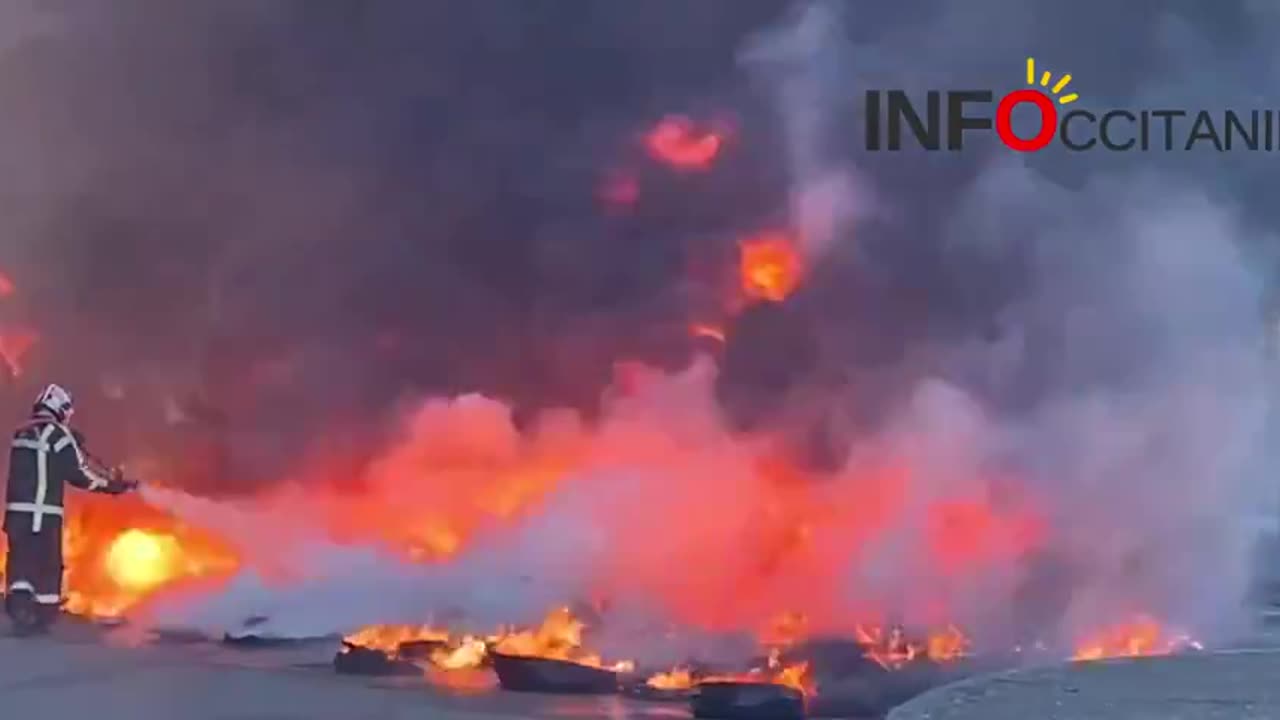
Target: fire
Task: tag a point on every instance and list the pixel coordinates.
(7, 286)
(770, 267)
(120, 552)
(469, 467)
(965, 535)
(388, 638)
(675, 140)
(947, 644)
(559, 637)
(140, 560)
(679, 678)
(469, 653)
(785, 630)
(1141, 637)
(449, 654)
(794, 675)
(893, 650)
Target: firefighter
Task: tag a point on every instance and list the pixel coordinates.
(45, 454)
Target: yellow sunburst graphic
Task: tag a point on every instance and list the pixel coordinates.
(1046, 78)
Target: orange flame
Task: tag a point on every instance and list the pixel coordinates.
(893, 650)
(679, 678)
(120, 553)
(770, 267)
(1140, 637)
(676, 141)
(388, 638)
(559, 637)
(793, 675)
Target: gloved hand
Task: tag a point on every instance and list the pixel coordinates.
(117, 477)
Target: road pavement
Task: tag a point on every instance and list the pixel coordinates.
(83, 670)
(1228, 685)
(79, 672)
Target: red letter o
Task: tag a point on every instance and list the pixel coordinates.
(1048, 120)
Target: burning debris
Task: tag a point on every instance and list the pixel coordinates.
(775, 671)
(254, 632)
(747, 701)
(1142, 637)
(892, 650)
(771, 268)
(523, 673)
(356, 660)
(549, 658)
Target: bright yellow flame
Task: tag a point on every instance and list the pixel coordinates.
(139, 560)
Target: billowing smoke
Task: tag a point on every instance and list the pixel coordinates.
(279, 245)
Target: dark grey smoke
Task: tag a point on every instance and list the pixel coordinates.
(243, 228)
(376, 198)
(248, 231)
(366, 199)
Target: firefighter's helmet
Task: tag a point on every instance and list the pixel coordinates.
(56, 400)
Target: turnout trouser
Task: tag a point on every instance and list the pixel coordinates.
(34, 562)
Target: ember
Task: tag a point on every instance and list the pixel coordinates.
(677, 142)
(770, 267)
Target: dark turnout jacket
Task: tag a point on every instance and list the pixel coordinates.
(45, 455)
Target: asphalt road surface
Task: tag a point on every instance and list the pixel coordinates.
(1230, 685)
(81, 670)
(77, 672)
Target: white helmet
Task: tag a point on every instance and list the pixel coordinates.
(55, 399)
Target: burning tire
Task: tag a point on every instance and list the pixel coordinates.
(872, 693)
(356, 660)
(544, 675)
(747, 701)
